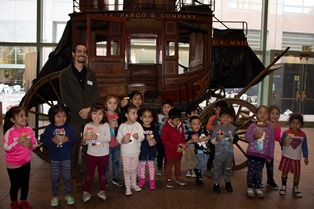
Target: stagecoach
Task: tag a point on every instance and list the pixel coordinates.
(191, 61)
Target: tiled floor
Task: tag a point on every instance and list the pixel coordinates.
(189, 196)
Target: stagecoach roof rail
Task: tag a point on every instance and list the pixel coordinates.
(226, 22)
(263, 73)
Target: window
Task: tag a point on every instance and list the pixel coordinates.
(296, 40)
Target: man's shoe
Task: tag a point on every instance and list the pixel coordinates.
(117, 182)
(54, 202)
(70, 200)
(216, 188)
(272, 185)
(102, 195)
(229, 187)
(86, 196)
(169, 183)
(296, 192)
(283, 190)
(181, 182)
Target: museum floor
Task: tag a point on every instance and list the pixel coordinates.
(179, 197)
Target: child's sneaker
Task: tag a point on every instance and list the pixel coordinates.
(159, 172)
(193, 175)
(250, 192)
(181, 182)
(188, 173)
(70, 200)
(128, 191)
(169, 183)
(24, 205)
(117, 182)
(102, 195)
(86, 196)
(152, 184)
(216, 188)
(229, 187)
(15, 205)
(136, 188)
(282, 190)
(260, 193)
(296, 192)
(54, 202)
(141, 183)
(272, 184)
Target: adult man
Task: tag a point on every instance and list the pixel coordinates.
(79, 91)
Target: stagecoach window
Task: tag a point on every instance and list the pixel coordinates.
(101, 48)
(115, 47)
(170, 48)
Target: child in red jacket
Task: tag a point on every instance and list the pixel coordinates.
(174, 141)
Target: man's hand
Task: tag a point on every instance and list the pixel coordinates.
(84, 112)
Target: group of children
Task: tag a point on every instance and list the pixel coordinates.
(130, 131)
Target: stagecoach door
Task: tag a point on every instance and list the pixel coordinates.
(293, 84)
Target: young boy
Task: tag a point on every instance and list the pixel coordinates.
(212, 122)
(190, 111)
(199, 138)
(173, 139)
(222, 138)
(166, 106)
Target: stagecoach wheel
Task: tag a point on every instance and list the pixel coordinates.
(219, 92)
(245, 115)
(39, 98)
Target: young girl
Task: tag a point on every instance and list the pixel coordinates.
(111, 106)
(274, 114)
(260, 136)
(97, 136)
(18, 143)
(136, 98)
(59, 138)
(130, 135)
(294, 142)
(148, 148)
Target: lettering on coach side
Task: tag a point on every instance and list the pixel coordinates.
(141, 15)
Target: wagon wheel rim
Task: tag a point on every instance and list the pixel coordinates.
(44, 93)
(244, 116)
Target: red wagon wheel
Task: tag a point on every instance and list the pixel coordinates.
(40, 97)
(245, 115)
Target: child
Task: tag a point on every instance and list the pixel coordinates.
(148, 148)
(199, 137)
(18, 143)
(97, 137)
(190, 111)
(274, 114)
(166, 106)
(59, 138)
(260, 136)
(294, 142)
(173, 139)
(130, 135)
(136, 98)
(222, 138)
(212, 122)
(111, 105)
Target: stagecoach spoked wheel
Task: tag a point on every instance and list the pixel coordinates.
(39, 98)
(245, 115)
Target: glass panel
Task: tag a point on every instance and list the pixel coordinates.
(184, 57)
(143, 51)
(101, 48)
(13, 75)
(170, 48)
(17, 21)
(55, 16)
(115, 47)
